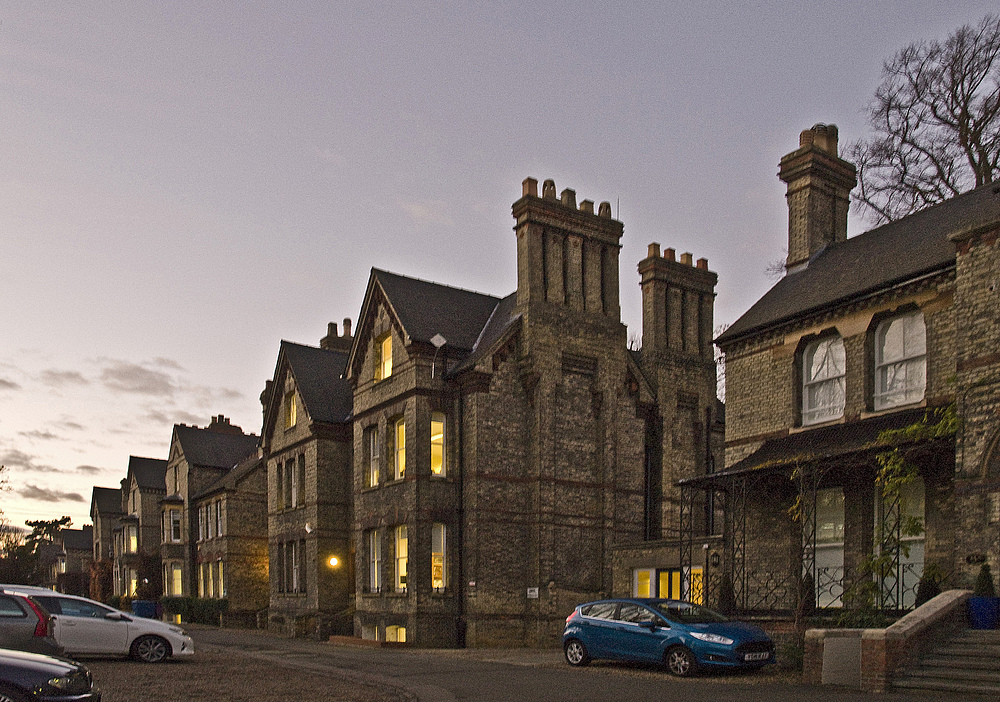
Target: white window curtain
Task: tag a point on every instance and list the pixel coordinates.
(900, 361)
(823, 367)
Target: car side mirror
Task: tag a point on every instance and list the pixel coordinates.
(117, 617)
(652, 626)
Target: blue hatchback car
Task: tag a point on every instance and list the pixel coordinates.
(681, 635)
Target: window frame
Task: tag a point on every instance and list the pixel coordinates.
(291, 410)
(439, 557)
(401, 558)
(812, 414)
(375, 560)
(441, 444)
(373, 462)
(399, 448)
(881, 398)
(383, 357)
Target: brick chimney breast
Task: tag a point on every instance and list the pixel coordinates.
(818, 194)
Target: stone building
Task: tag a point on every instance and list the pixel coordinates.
(105, 511)
(137, 535)
(307, 446)
(198, 459)
(505, 448)
(893, 329)
(231, 551)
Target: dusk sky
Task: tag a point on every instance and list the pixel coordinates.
(185, 184)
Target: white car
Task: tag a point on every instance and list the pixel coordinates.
(88, 628)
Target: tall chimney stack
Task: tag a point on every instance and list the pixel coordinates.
(819, 188)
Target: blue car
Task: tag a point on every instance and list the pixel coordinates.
(681, 635)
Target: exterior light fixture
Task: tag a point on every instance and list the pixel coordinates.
(438, 341)
(333, 562)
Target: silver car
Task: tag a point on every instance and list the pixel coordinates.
(25, 625)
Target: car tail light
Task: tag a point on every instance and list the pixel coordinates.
(44, 625)
(571, 615)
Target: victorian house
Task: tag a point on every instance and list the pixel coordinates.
(136, 537)
(867, 346)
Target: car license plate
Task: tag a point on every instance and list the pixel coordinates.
(756, 656)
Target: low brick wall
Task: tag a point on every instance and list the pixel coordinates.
(866, 659)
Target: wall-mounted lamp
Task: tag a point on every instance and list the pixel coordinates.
(438, 342)
(714, 559)
(333, 562)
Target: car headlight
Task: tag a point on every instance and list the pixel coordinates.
(712, 638)
(63, 682)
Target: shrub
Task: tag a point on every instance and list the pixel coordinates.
(984, 583)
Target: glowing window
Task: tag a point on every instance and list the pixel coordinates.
(400, 449)
(371, 448)
(291, 411)
(401, 557)
(395, 633)
(439, 572)
(383, 357)
(437, 443)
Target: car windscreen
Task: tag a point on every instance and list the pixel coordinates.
(686, 613)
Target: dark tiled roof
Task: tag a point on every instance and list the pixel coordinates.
(894, 253)
(501, 320)
(149, 473)
(229, 480)
(319, 373)
(425, 309)
(78, 539)
(814, 445)
(107, 500)
(203, 447)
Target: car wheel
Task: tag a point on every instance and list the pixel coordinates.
(576, 652)
(8, 695)
(681, 661)
(150, 649)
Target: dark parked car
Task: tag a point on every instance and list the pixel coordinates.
(681, 635)
(25, 625)
(25, 677)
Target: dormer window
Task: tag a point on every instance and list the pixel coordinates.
(823, 363)
(383, 357)
(900, 361)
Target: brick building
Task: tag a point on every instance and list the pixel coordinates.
(504, 448)
(861, 336)
(137, 535)
(306, 439)
(198, 459)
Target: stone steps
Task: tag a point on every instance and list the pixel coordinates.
(968, 662)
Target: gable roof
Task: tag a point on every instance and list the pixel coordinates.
(204, 447)
(425, 309)
(230, 479)
(149, 473)
(501, 320)
(108, 501)
(881, 258)
(78, 539)
(320, 381)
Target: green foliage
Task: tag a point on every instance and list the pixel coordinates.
(196, 609)
(984, 583)
(930, 583)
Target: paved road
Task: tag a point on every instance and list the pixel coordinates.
(519, 675)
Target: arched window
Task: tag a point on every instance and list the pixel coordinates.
(823, 363)
(900, 361)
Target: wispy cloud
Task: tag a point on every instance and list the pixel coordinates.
(40, 494)
(121, 376)
(15, 458)
(8, 385)
(175, 417)
(41, 435)
(89, 470)
(61, 378)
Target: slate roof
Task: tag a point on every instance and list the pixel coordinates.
(149, 473)
(876, 260)
(107, 500)
(501, 320)
(203, 447)
(425, 309)
(229, 480)
(818, 444)
(319, 378)
(78, 539)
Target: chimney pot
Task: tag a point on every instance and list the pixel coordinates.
(653, 251)
(703, 264)
(670, 254)
(687, 259)
(549, 189)
(347, 327)
(568, 198)
(604, 210)
(529, 186)
(331, 329)
(587, 206)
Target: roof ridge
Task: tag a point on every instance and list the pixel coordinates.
(434, 282)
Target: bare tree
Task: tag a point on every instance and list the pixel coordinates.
(936, 123)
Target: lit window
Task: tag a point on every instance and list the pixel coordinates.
(400, 449)
(222, 580)
(133, 582)
(383, 357)
(374, 560)
(641, 585)
(401, 553)
(371, 447)
(900, 361)
(823, 380)
(290, 410)
(131, 539)
(437, 443)
(395, 633)
(439, 561)
(301, 492)
(176, 580)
